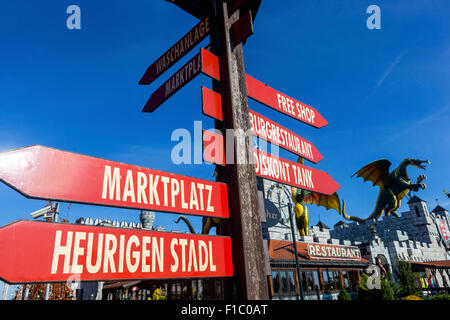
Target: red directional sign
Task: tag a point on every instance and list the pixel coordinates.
(212, 104)
(204, 62)
(213, 148)
(176, 52)
(45, 173)
(32, 251)
(274, 133)
(293, 174)
(283, 103)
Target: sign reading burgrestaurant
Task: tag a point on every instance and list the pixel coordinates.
(329, 251)
(33, 251)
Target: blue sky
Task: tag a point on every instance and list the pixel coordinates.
(385, 93)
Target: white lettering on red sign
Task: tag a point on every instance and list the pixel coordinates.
(337, 252)
(156, 189)
(119, 254)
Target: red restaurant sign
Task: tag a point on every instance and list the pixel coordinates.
(33, 251)
(274, 133)
(45, 173)
(176, 52)
(283, 103)
(293, 174)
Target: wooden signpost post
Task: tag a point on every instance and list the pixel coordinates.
(60, 250)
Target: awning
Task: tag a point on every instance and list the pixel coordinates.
(120, 284)
(420, 266)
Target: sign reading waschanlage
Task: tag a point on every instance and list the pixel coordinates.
(177, 51)
(46, 173)
(329, 251)
(45, 252)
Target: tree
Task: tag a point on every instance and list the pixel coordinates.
(344, 295)
(407, 280)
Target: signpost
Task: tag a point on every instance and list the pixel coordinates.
(293, 174)
(276, 134)
(177, 51)
(33, 251)
(45, 173)
(45, 252)
(203, 62)
(283, 103)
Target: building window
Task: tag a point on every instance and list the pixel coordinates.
(331, 280)
(417, 211)
(345, 277)
(283, 283)
(316, 280)
(276, 282)
(337, 279)
(325, 280)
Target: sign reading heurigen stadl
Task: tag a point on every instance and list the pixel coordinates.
(46, 252)
(45, 173)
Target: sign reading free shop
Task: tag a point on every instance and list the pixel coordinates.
(44, 173)
(34, 251)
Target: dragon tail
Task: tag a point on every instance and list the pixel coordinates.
(375, 214)
(188, 223)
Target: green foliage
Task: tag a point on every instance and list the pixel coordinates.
(407, 280)
(344, 295)
(439, 297)
(387, 290)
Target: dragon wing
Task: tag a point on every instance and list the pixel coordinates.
(377, 172)
(322, 200)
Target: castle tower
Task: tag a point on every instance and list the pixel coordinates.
(418, 206)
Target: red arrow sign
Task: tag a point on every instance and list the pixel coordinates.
(176, 52)
(293, 174)
(204, 62)
(274, 133)
(32, 251)
(45, 173)
(283, 103)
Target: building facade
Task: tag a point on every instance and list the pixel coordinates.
(419, 237)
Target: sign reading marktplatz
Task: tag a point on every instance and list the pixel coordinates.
(33, 251)
(51, 174)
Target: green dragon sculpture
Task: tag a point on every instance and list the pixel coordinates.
(394, 186)
(207, 223)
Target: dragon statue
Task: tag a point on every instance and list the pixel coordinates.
(394, 186)
(302, 197)
(207, 223)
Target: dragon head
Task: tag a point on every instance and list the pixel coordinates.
(421, 164)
